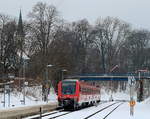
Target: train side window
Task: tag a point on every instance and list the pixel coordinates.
(84, 90)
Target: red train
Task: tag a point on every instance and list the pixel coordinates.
(73, 93)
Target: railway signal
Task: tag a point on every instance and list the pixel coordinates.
(132, 103)
(132, 82)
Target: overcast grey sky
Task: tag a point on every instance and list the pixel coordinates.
(136, 12)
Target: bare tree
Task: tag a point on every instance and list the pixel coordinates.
(43, 24)
(137, 45)
(3, 20)
(109, 36)
(82, 30)
(8, 45)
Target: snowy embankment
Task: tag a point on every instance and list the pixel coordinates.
(141, 111)
(33, 97)
(108, 95)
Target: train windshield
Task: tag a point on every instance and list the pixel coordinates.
(68, 87)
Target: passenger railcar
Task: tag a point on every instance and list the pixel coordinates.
(73, 93)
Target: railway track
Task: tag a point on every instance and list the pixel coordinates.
(65, 113)
(104, 109)
(70, 112)
(61, 112)
(112, 111)
(45, 114)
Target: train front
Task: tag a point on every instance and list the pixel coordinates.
(68, 93)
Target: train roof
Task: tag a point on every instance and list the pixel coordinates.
(71, 80)
(82, 82)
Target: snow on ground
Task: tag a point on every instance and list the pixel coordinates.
(118, 95)
(35, 99)
(141, 110)
(80, 114)
(115, 95)
(52, 97)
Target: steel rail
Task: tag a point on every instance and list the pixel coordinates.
(112, 111)
(100, 110)
(43, 115)
(60, 115)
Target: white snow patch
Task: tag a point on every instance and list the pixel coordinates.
(33, 97)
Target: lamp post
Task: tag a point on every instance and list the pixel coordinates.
(46, 82)
(6, 89)
(62, 73)
(24, 77)
(116, 66)
(45, 88)
(24, 83)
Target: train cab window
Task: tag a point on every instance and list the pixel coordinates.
(68, 87)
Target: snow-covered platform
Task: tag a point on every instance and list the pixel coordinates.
(20, 112)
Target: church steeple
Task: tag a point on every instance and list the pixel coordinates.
(20, 44)
(20, 31)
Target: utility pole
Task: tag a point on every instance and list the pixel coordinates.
(7, 88)
(62, 73)
(140, 95)
(46, 92)
(24, 83)
(46, 82)
(4, 95)
(116, 66)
